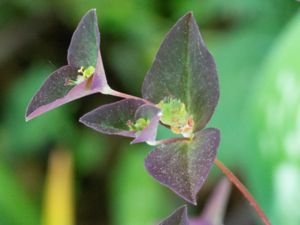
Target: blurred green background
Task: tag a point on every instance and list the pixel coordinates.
(55, 171)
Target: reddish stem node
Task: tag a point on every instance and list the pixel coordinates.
(243, 190)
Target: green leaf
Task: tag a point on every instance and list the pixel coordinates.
(275, 129)
(15, 204)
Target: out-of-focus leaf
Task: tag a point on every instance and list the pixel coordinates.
(247, 23)
(130, 184)
(184, 166)
(213, 213)
(30, 7)
(83, 53)
(185, 70)
(111, 13)
(90, 151)
(58, 199)
(114, 119)
(15, 205)
(276, 129)
(215, 208)
(179, 217)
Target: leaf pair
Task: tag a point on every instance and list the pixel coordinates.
(183, 70)
(83, 52)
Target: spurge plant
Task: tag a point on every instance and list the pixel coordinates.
(180, 92)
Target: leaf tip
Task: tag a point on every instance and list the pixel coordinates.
(29, 114)
(190, 199)
(179, 216)
(81, 119)
(92, 11)
(189, 14)
(27, 119)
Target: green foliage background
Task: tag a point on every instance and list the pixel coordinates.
(256, 47)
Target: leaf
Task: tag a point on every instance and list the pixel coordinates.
(83, 52)
(184, 69)
(184, 166)
(213, 212)
(84, 49)
(16, 205)
(215, 208)
(275, 129)
(54, 92)
(84, 46)
(179, 217)
(113, 119)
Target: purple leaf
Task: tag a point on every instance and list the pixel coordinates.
(84, 46)
(213, 213)
(215, 208)
(179, 217)
(83, 52)
(184, 166)
(113, 119)
(184, 69)
(149, 133)
(54, 92)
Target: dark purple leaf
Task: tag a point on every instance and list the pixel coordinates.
(183, 166)
(179, 217)
(185, 70)
(84, 46)
(54, 92)
(83, 51)
(215, 208)
(113, 119)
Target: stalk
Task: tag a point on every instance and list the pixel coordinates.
(123, 95)
(243, 190)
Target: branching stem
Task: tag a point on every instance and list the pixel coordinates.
(243, 190)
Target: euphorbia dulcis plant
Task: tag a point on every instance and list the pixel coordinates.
(180, 91)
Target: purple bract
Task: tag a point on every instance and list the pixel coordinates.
(83, 52)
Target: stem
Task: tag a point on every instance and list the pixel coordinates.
(243, 190)
(123, 95)
(167, 141)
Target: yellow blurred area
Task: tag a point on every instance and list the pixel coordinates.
(58, 197)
